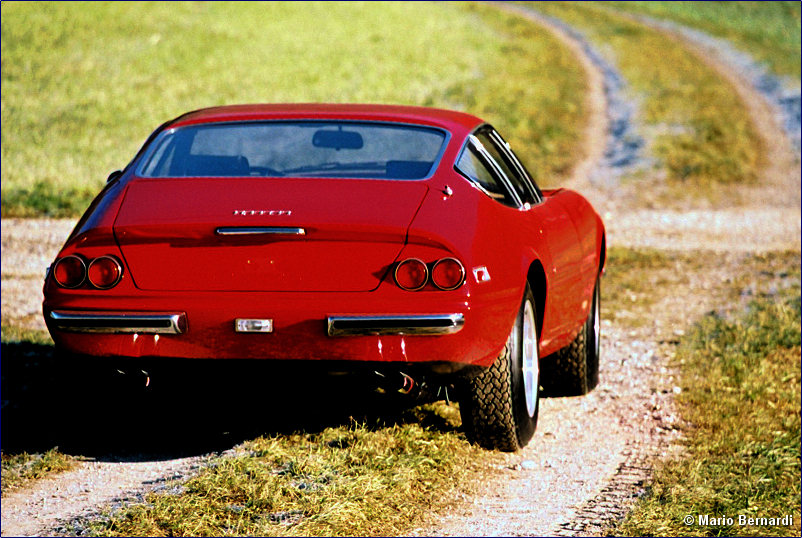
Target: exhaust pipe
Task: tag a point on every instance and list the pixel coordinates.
(135, 376)
(395, 382)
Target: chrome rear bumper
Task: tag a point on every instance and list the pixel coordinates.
(401, 325)
(120, 322)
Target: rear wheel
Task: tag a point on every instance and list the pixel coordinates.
(574, 370)
(499, 406)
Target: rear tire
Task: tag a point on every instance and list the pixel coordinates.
(500, 404)
(574, 370)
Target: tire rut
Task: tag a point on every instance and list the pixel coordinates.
(614, 142)
(782, 94)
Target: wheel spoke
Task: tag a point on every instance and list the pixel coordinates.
(596, 320)
(530, 361)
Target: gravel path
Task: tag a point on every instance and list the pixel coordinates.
(28, 247)
(592, 455)
(771, 113)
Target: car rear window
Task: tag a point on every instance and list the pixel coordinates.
(295, 149)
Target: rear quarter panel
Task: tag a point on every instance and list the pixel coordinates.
(589, 234)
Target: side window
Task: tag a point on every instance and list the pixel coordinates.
(525, 176)
(493, 144)
(471, 164)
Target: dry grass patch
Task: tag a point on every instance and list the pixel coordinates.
(21, 469)
(343, 481)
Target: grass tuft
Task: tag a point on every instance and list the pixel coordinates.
(14, 334)
(20, 469)
(342, 481)
(44, 199)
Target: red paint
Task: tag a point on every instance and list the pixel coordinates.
(354, 229)
(163, 231)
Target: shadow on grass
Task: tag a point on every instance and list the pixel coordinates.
(188, 407)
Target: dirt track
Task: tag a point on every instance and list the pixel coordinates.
(590, 455)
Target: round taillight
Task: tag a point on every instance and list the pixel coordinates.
(411, 274)
(105, 272)
(69, 271)
(448, 274)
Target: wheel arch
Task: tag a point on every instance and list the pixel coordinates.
(536, 277)
(603, 254)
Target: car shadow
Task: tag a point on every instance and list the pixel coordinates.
(143, 412)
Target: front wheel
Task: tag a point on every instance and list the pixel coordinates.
(500, 404)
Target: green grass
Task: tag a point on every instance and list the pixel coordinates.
(14, 334)
(85, 83)
(631, 278)
(637, 280)
(770, 31)
(343, 481)
(741, 400)
(20, 469)
(699, 130)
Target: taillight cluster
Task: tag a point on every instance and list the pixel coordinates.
(446, 274)
(103, 272)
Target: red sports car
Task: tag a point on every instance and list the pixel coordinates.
(411, 241)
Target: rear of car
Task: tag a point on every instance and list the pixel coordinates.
(281, 235)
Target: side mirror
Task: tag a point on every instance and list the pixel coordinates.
(114, 175)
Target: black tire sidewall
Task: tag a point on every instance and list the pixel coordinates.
(591, 354)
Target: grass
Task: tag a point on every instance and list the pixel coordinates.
(85, 83)
(343, 481)
(697, 128)
(769, 31)
(740, 399)
(15, 334)
(20, 469)
(630, 280)
(637, 280)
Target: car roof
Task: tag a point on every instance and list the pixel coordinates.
(448, 119)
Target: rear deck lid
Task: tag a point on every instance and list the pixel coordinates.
(264, 234)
